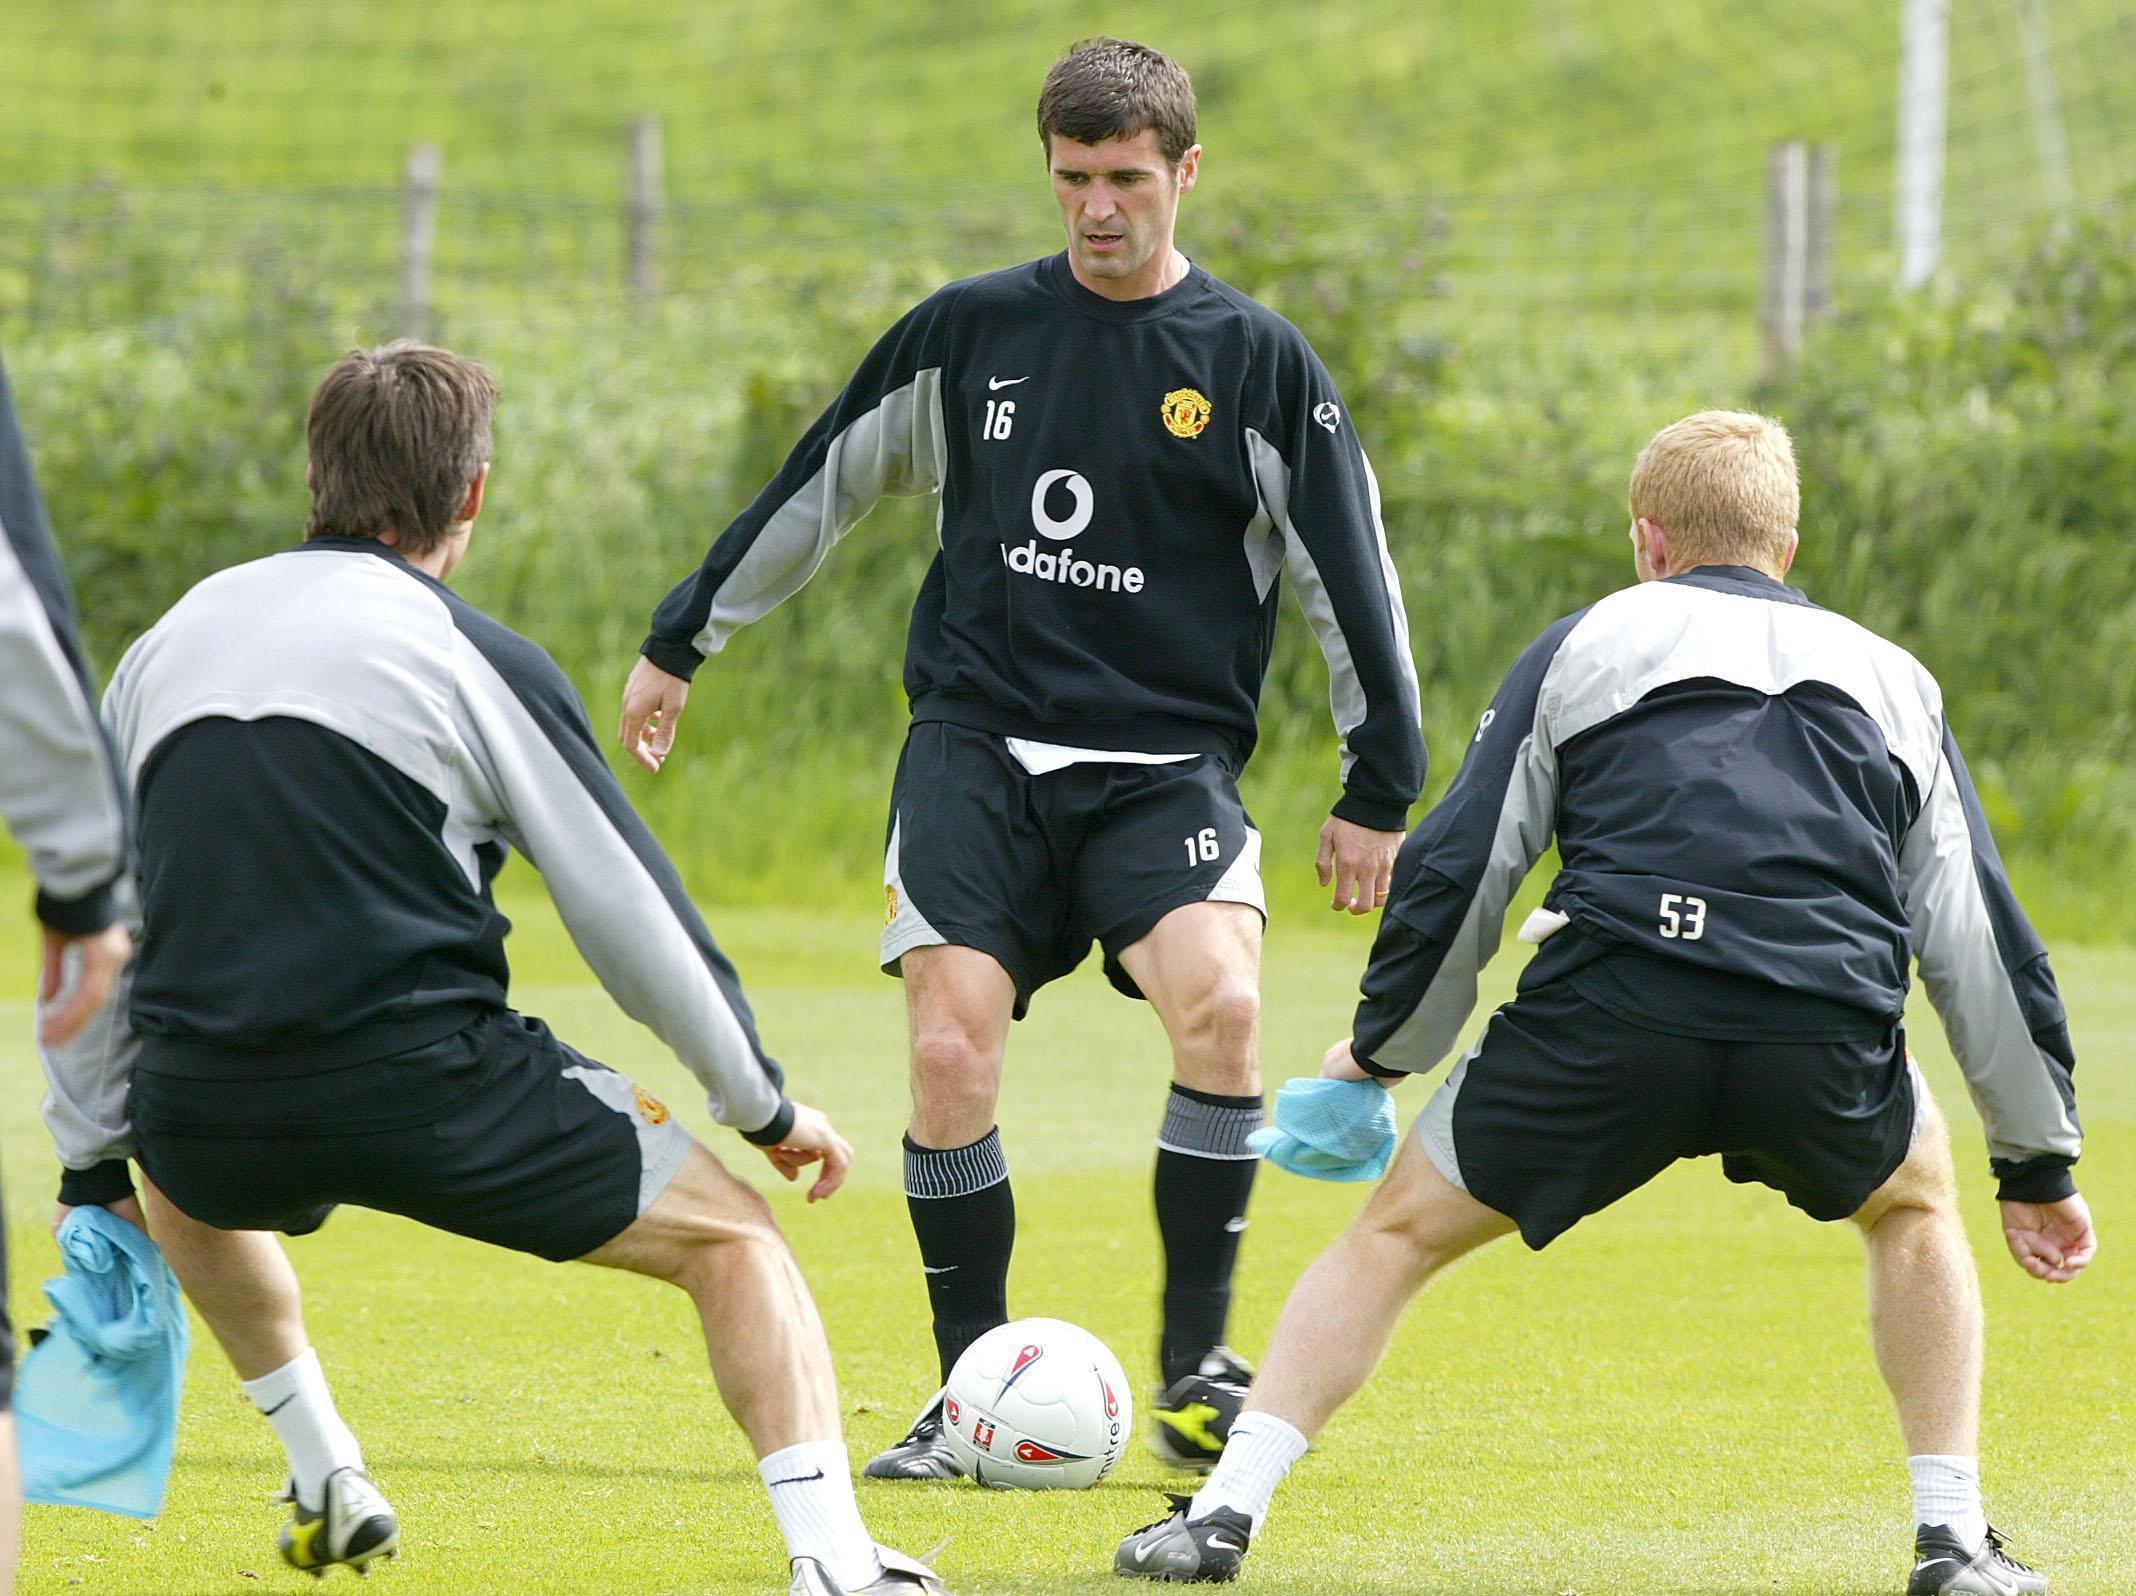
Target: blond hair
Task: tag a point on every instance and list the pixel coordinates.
(1722, 485)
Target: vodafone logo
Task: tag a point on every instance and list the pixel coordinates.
(1077, 519)
(1063, 490)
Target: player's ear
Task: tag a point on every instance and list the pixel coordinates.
(1652, 546)
(472, 506)
(1787, 555)
(1189, 167)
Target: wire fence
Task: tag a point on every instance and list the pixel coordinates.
(1543, 159)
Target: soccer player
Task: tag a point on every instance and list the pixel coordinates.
(1763, 819)
(1128, 456)
(331, 754)
(62, 800)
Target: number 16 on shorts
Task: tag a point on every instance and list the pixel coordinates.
(1682, 916)
(1203, 848)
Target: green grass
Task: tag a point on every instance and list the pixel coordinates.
(1676, 1397)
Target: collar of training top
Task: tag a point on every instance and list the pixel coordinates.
(1054, 272)
(1740, 579)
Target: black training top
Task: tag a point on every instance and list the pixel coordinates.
(1122, 486)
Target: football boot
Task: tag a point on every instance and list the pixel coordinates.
(924, 1454)
(1193, 1414)
(1943, 1566)
(1178, 1550)
(353, 1525)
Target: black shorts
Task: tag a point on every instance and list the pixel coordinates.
(1563, 1107)
(1033, 869)
(521, 1142)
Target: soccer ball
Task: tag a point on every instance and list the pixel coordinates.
(1037, 1405)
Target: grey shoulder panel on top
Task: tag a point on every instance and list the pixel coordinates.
(1660, 633)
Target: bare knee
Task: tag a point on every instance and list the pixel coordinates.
(956, 1078)
(1219, 1030)
(1418, 1221)
(706, 1223)
(1924, 1188)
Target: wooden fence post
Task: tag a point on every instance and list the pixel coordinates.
(419, 231)
(1824, 224)
(1787, 253)
(643, 209)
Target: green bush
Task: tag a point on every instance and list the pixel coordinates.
(1967, 460)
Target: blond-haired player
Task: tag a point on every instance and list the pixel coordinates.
(1763, 820)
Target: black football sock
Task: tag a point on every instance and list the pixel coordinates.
(965, 1218)
(1204, 1176)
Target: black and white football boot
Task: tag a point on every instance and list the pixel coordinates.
(1193, 1414)
(1943, 1567)
(353, 1525)
(924, 1454)
(901, 1576)
(1187, 1551)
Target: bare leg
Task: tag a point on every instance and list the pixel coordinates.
(958, 1003)
(239, 1280)
(963, 1209)
(1336, 1325)
(1924, 1298)
(1200, 967)
(715, 1238)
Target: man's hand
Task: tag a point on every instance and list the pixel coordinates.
(1358, 863)
(812, 1137)
(2050, 1241)
(652, 703)
(101, 958)
(1340, 1064)
(127, 1208)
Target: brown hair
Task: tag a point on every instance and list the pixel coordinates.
(1113, 89)
(397, 435)
(1722, 484)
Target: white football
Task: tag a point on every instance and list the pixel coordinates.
(1036, 1405)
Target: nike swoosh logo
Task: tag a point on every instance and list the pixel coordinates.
(268, 1413)
(799, 1479)
(946, 1269)
(1221, 1544)
(1234, 1226)
(996, 384)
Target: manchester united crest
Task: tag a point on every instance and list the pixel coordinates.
(655, 1111)
(1185, 412)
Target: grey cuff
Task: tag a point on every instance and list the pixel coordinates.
(954, 1171)
(773, 1131)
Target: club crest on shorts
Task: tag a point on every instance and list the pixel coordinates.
(654, 1111)
(1185, 412)
(889, 903)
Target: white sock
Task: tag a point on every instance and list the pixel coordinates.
(301, 1409)
(1946, 1491)
(811, 1487)
(1259, 1452)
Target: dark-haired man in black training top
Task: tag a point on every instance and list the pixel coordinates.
(1129, 455)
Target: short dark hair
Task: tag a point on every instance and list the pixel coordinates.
(396, 437)
(1113, 89)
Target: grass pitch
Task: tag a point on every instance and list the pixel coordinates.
(1678, 1396)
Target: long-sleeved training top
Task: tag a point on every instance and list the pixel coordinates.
(59, 789)
(330, 754)
(1122, 485)
(1746, 785)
